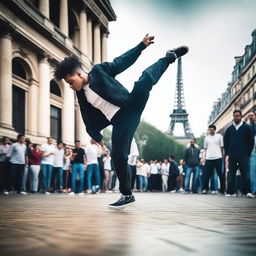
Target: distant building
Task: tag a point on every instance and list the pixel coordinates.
(34, 36)
(241, 91)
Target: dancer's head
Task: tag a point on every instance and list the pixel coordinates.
(70, 69)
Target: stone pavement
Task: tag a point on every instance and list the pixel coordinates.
(158, 224)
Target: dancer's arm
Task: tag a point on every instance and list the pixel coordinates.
(124, 61)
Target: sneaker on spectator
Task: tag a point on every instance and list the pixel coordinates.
(204, 191)
(181, 190)
(47, 193)
(214, 192)
(173, 191)
(88, 191)
(6, 193)
(71, 193)
(81, 194)
(23, 193)
(250, 195)
(229, 195)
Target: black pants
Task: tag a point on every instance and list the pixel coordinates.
(4, 174)
(16, 177)
(126, 120)
(241, 163)
(209, 170)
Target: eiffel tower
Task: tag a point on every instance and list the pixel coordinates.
(179, 114)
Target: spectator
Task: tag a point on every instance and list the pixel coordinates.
(252, 123)
(18, 159)
(173, 174)
(141, 176)
(132, 159)
(4, 165)
(165, 174)
(34, 161)
(180, 177)
(213, 145)
(108, 171)
(78, 162)
(238, 144)
(192, 160)
(58, 167)
(67, 170)
(27, 167)
(93, 171)
(154, 169)
(48, 150)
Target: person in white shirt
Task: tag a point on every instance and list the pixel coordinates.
(18, 159)
(47, 164)
(165, 174)
(141, 171)
(108, 171)
(213, 145)
(154, 170)
(67, 169)
(58, 164)
(93, 170)
(4, 165)
(132, 159)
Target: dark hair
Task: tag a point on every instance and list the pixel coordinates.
(20, 135)
(34, 145)
(60, 142)
(212, 126)
(67, 66)
(172, 157)
(237, 111)
(4, 138)
(77, 141)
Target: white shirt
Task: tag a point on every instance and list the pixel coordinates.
(237, 126)
(165, 169)
(134, 153)
(66, 163)
(213, 145)
(154, 168)
(107, 108)
(48, 148)
(91, 152)
(17, 153)
(58, 158)
(107, 164)
(4, 149)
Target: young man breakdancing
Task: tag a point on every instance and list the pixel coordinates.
(104, 101)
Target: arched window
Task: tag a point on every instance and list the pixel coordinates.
(18, 69)
(54, 88)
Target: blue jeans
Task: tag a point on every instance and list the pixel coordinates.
(93, 170)
(142, 182)
(253, 171)
(195, 171)
(46, 176)
(58, 171)
(77, 168)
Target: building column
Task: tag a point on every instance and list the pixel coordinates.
(104, 41)
(6, 80)
(44, 8)
(68, 115)
(64, 17)
(44, 98)
(83, 31)
(32, 107)
(89, 38)
(96, 44)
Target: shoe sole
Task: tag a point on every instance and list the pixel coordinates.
(119, 208)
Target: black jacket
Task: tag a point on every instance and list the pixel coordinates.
(239, 142)
(191, 156)
(103, 82)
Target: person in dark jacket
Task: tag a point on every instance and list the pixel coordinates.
(238, 145)
(192, 161)
(104, 101)
(173, 174)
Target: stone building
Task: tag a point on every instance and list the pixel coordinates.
(240, 92)
(34, 36)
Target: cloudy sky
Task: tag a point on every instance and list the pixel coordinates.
(215, 32)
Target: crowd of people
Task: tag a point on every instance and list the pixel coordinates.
(225, 165)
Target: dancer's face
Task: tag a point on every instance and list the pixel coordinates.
(76, 81)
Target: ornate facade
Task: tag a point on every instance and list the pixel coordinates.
(240, 92)
(34, 36)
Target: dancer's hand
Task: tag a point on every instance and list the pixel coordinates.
(147, 40)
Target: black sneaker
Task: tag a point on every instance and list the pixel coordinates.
(180, 51)
(123, 202)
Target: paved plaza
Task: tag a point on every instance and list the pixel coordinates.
(158, 224)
